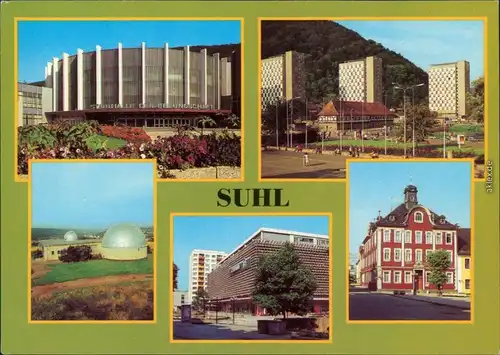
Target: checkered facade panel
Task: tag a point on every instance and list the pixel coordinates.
(443, 89)
(299, 75)
(272, 80)
(352, 81)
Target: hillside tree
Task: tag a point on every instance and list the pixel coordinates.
(283, 284)
(438, 262)
(475, 101)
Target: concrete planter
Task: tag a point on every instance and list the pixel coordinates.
(277, 327)
(262, 326)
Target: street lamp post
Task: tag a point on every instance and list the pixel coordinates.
(277, 121)
(385, 125)
(216, 310)
(290, 120)
(362, 126)
(341, 119)
(444, 138)
(404, 89)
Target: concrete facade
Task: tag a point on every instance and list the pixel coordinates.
(52, 248)
(449, 84)
(282, 78)
(33, 102)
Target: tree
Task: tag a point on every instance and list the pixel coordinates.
(232, 121)
(76, 254)
(205, 121)
(281, 113)
(475, 101)
(175, 276)
(200, 300)
(283, 284)
(425, 123)
(438, 262)
(352, 279)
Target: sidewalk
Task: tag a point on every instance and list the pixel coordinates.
(443, 301)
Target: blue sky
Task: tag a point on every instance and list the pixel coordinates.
(442, 187)
(428, 42)
(225, 233)
(92, 195)
(40, 41)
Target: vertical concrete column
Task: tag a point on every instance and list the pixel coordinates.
(165, 73)
(55, 82)
(65, 83)
(187, 78)
(49, 74)
(120, 74)
(217, 81)
(204, 76)
(143, 54)
(98, 76)
(79, 79)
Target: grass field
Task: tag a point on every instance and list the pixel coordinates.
(112, 302)
(466, 128)
(380, 144)
(61, 272)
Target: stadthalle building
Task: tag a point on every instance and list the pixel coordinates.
(145, 87)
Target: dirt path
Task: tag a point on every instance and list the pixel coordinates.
(42, 290)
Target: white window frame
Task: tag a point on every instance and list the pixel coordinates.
(427, 236)
(408, 236)
(387, 236)
(439, 238)
(408, 273)
(384, 273)
(396, 234)
(389, 258)
(399, 258)
(410, 254)
(448, 277)
(418, 237)
(400, 279)
(416, 220)
(448, 234)
(417, 252)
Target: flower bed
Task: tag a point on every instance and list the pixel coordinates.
(129, 134)
(178, 152)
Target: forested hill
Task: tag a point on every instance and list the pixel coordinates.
(327, 44)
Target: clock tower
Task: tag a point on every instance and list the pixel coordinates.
(411, 196)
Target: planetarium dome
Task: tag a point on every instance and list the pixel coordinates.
(124, 242)
(70, 236)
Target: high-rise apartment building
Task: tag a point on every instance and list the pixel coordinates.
(361, 80)
(33, 102)
(283, 78)
(201, 263)
(449, 84)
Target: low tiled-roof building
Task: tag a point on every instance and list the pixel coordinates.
(339, 115)
(232, 282)
(464, 260)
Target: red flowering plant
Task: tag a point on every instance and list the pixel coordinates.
(129, 134)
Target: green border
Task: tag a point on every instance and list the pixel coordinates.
(19, 337)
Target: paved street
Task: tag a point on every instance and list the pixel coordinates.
(220, 332)
(289, 165)
(376, 306)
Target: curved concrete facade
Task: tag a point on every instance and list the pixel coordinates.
(124, 253)
(137, 78)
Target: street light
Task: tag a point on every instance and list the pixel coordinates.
(278, 104)
(404, 89)
(232, 307)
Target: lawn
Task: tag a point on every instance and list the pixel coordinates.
(112, 302)
(390, 144)
(466, 128)
(62, 272)
(111, 143)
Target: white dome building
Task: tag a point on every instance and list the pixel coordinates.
(70, 236)
(124, 242)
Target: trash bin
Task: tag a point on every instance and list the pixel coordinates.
(276, 327)
(262, 326)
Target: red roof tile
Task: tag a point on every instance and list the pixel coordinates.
(339, 108)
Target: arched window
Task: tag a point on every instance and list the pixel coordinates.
(419, 217)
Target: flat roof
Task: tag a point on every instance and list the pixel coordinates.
(55, 242)
(277, 231)
(137, 110)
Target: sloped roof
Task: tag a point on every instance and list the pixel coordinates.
(346, 108)
(397, 218)
(463, 241)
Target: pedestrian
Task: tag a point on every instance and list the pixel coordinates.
(306, 159)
